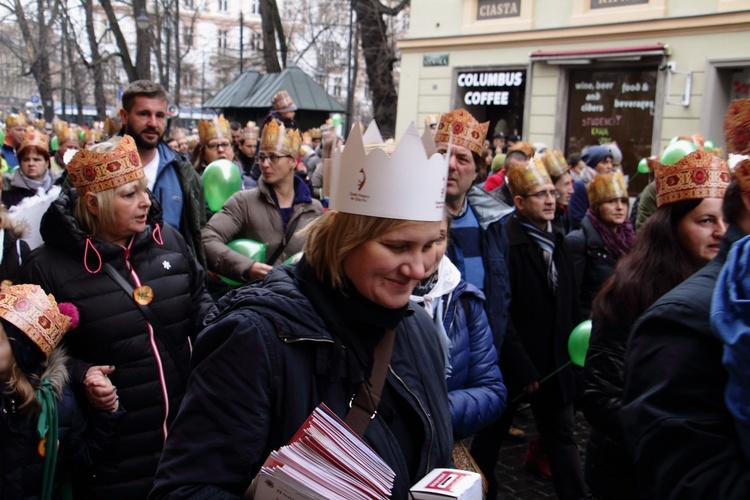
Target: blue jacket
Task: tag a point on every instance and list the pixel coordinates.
(476, 392)
(579, 203)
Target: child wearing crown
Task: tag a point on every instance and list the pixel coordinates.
(37, 407)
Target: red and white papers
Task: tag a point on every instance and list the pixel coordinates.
(445, 484)
(324, 460)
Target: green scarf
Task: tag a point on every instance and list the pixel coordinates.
(47, 428)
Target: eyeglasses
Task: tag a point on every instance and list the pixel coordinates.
(274, 159)
(542, 195)
(219, 145)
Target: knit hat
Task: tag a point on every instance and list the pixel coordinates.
(596, 154)
(696, 176)
(498, 162)
(34, 323)
(219, 128)
(34, 139)
(282, 102)
(523, 178)
(605, 187)
(92, 171)
(276, 137)
(461, 129)
(15, 120)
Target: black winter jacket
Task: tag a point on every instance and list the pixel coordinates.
(269, 355)
(112, 331)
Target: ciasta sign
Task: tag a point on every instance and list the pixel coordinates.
(494, 9)
(482, 87)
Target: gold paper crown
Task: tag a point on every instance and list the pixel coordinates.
(92, 171)
(38, 124)
(282, 102)
(34, 139)
(15, 120)
(249, 133)
(523, 178)
(251, 124)
(315, 133)
(278, 138)
(737, 127)
(36, 314)
(463, 130)
(92, 135)
(65, 133)
(555, 163)
(696, 176)
(605, 187)
(208, 130)
(110, 127)
(431, 119)
(523, 147)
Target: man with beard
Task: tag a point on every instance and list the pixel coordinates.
(170, 175)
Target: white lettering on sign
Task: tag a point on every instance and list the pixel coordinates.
(634, 104)
(486, 98)
(499, 9)
(499, 79)
(634, 87)
(592, 108)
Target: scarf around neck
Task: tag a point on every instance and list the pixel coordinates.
(545, 240)
(617, 243)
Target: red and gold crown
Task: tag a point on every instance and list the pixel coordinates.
(36, 314)
(737, 127)
(15, 120)
(696, 176)
(523, 147)
(92, 171)
(280, 139)
(605, 187)
(208, 130)
(34, 139)
(522, 179)
(555, 163)
(282, 102)
(460, 128)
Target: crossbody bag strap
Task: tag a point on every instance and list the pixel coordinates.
(150, 317)
(364, 405)
(287, 237)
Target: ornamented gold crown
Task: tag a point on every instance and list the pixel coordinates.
(555, 163)
(36, 314)
(696, 176)
(523, 178)
(523, 147)
(92, 171)
(315, 133)
(208, 130)
(278, 138)
(737, 127)
(461, 129)
(605, 187)
(15, 120)
(34, 139)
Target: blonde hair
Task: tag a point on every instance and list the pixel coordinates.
(20, 385)
(334, 235)
(92, 224)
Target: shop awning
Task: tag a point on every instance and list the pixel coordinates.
(586, 56)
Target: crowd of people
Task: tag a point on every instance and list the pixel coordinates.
(423, 288)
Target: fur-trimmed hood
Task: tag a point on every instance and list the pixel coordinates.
(56, 371)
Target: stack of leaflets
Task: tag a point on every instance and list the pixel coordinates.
(324, 460)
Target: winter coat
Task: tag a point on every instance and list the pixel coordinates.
(113, 331)
(21, 465)
(17, 190)
(679, 431)
(578, 204)
(541, 320)
(14, 249)
(270, 354)
(592, 263)
(253, 214)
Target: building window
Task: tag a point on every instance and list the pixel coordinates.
(189, 4)
(222, 41)
(288, 10)
(223, 5)
(254, 7)
(256, 41)
(187, 36)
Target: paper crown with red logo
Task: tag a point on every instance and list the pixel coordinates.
(276, 137)
(282, 102)
(523, 178)
(555, 163)
(523, 147)
(92, 171)
(737, 135)
(404, 180)
(37, 315)
(34, 139)
(15, 120)
(461, 129)
(696, 176)
(218, 128)
(606, 187)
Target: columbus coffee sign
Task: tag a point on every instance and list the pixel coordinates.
(497, 9)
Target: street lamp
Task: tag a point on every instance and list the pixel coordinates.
(142, 21)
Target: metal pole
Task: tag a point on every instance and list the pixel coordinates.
(63, 81)
(349, 93)
(242, 44)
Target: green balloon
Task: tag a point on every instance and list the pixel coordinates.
(578, 342)
(248, 248)
(708, 145)
(81, 135)
(2, 136)
(294, 258)
(643, 166)
(677, 151)
(336, 119)
(53, 144)
(221, 179)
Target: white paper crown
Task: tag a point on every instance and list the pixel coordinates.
(409, 184)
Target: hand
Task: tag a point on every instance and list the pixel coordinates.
(100, 391)
(258, 271)
(531, 388)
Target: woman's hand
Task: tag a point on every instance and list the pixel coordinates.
(258, 271)
(100, 391)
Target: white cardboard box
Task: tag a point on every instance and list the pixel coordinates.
(445, 484)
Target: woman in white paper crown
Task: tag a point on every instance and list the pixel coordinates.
(272, 352)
